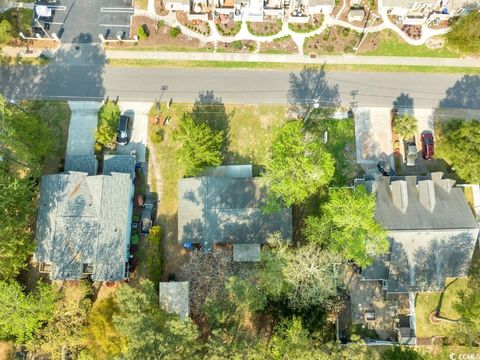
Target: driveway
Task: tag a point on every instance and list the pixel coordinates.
(83, 124)
(373, 134)
(138, 111)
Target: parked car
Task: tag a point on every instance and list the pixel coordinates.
(384, 167)
(148, 215)
(124, 130)
(428, 145)
(411, 154)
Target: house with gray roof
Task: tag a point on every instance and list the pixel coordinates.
(227, 209)
(431, 229)
(84, 225)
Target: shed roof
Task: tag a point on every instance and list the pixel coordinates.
(246, 252)
(174, 298)
(84, 220)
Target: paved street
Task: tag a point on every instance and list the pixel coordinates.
(66, 78)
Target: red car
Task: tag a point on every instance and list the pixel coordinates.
(428, 147)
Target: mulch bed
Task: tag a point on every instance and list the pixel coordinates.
(237, 46)
(198, 26)
(159, 35)
(226, 26)
(282, 45)
(413, 31)
(334, 40)
(265, 28)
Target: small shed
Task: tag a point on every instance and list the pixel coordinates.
(246, 252)
(174, 298)
(356, 14)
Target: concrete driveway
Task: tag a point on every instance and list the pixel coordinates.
(83, 124)
(138, 111)
(373, 134)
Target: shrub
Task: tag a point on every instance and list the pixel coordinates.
(158, 135)
(141, 33)
(346, 32)
(160, 23)
(174, 32)
(237, 44)
(5, 29)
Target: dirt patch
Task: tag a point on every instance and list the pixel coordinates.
(6, 351)
(314, 22)
(198, 26)
(336, 40)
(226, 26)
(281, 45)
(159, 36)
(264, 28)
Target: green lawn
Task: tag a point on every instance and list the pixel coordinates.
(288, 66)
(428, 302)
(392, 45)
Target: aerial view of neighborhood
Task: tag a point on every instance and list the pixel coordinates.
(240, 179)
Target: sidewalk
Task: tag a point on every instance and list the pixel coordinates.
(302, 59)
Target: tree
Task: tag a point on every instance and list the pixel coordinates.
(306, 276)
(457, 141)
(108, 118)
(64, 331)
(22, 315)
(465, 33)
(468, 307)
(348, 226)
(5, 29)
(405, 125)
(199, 145)
(103, 340)
(150, 332)
(401, 353)
(298, 166)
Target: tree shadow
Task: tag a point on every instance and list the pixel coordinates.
(309, 89)
(464, 94)
(74, 73)
(403, 104)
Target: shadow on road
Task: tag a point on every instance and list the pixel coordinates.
(465, 94)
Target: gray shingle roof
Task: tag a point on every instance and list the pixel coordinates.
(84, 219)
(227, 210)
(174, 298)
(432, 232)
(81, 163)
(124, 164)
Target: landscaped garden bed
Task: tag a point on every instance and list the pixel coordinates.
(241, 46)
(227, 27)
(313, 24)
(283, 45)
(334, 40)
(265, 28)
(198, 26)
(160, 8)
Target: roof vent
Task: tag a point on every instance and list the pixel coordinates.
(426, 191)
(399, 194)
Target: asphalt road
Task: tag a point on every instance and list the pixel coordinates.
(70, 80)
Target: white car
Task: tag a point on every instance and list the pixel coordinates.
(411, 154)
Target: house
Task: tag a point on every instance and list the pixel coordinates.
(174, 298)
(199, 9)
(432, 233)
(356, 13)
(84, 222)
(230, 9)
(225, 207)
(320, 6)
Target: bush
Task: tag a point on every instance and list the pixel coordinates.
(345, 32)
(237, 44)
(174, 32)
(5, 29)
(160, 23)
(158, 135)
(141, 33)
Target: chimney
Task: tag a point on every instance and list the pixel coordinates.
(426, 192)
(399, 194)
(436, 176)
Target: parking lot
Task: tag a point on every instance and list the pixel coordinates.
(81, 21)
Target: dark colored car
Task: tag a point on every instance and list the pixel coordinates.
(384, 167)
(124, 130)
(148, 215)
(428, 145)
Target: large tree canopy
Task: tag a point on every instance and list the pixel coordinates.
(22, 315)
(298, 165)
(199, 145)
(468, 306)
(465, 33)
(458, 142)
(348, 226)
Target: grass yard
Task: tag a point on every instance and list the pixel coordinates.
(468, 192)
(426, 303)
(249, 137)
(387, 43)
